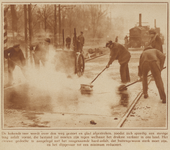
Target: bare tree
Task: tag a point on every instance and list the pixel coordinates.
(96, 15)
(45, 14)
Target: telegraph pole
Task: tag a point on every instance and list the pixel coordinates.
(63, 39)
(54, 24)
(30, 31)
(59, 22)
(60, 7)
(5, 27)
(25, 22)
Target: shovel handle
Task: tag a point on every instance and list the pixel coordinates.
(98, 75)
(131, 83)
(139, 80)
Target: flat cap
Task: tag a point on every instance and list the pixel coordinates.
(16, 45)
(108, 43)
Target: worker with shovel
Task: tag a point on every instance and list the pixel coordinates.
(152, 60)
(80, 40)
(41, 52)
(120, 53)
(15, 57)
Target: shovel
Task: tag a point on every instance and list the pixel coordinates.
(125, 86)
(87, 88)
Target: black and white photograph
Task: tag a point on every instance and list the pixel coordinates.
(85, 65)
(77, 65)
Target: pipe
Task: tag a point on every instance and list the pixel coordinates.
(155, 23)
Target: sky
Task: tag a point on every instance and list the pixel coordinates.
(150, 11)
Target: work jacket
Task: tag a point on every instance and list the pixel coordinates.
(17, 57)
(81, 39)
(41, 51)
(68, 39)
(151, 55)
(120, 53)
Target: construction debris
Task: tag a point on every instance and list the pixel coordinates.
(93, 122)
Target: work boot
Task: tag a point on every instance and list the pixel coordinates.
(145, 95)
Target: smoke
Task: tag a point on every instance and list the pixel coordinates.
(54, 89)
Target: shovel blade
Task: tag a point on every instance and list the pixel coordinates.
(86, 89)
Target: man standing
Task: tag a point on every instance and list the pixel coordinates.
(119, 52)
(15, 57)
(126, 41)
(152, 60)
(41, 52)
(155, 40)
(80, 42)
(68, 42)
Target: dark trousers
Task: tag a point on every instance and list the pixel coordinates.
(11, 67)
(39, 57)
(68, 45)
(124, 72)
(156, 72)
(80, 47)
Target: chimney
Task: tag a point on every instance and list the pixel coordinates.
(155, 23)
(140, 20)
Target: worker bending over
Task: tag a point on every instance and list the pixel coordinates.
(152, 60)
(15, 57)
(120, 53)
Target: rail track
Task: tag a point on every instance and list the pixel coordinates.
(131, 107)
(119, 122)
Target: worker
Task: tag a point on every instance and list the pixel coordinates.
(155, 40)
(81, 41)
(15, 57)
(119, 52)
(152, 60)
(41, 52)
(116, 39)
(68, 42)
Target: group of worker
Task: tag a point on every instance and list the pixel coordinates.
(15, 57)
(152, 59)
(78, 42)
(40, 53)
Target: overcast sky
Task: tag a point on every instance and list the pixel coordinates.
(150, 11)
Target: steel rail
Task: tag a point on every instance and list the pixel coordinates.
(94, 57)
(129, 110)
